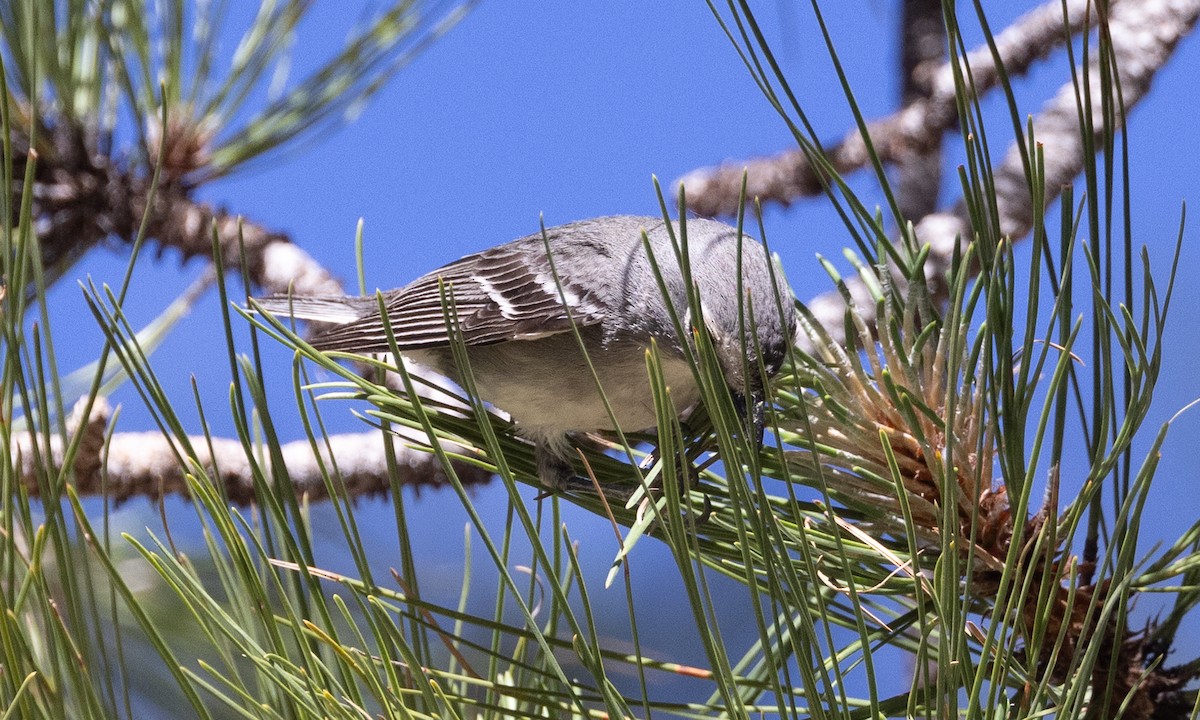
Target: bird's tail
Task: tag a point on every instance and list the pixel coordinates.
(329, 309)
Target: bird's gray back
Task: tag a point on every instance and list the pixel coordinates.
(597, 273)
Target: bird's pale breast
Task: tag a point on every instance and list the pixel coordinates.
(549, 389)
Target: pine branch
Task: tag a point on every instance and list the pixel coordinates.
(915, 130)
(81, 197)
(147, 464)
(1144, 36)
(922, 51)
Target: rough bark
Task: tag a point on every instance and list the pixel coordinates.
(147, 464)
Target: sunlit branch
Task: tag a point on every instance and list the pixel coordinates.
(146, 464)
(916, 129)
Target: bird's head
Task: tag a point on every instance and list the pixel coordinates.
(751, 340)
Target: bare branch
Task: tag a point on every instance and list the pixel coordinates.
(922, 51)
(1144, 35)
(915, 130)
(82, 197)
(147, 464)
(273, 262)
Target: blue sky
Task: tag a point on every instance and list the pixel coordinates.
(567, 110)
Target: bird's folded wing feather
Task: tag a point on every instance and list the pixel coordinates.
(505, 293)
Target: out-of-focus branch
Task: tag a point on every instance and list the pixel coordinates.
(1144, 35)
(922, 51)
(81, 198)
(273, 262)
(915, 130)
(145, 464)
(86, 191)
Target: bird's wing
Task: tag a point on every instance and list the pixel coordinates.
(504, 293)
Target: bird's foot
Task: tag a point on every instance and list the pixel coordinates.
(688, 483)
(558, 476)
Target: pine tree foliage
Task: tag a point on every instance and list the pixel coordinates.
(911, 501)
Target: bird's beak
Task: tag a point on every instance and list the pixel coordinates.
(752, 409)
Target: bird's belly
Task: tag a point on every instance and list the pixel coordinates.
(548, 388)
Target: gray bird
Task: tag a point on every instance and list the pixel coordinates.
(515, 321)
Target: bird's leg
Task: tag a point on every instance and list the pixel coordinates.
(689, 471)
(752, 411)
(554, 471)
(759, 421)
(690, 456)
(693, 480)
(558, 475)
(692, 453)
(648, 461)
